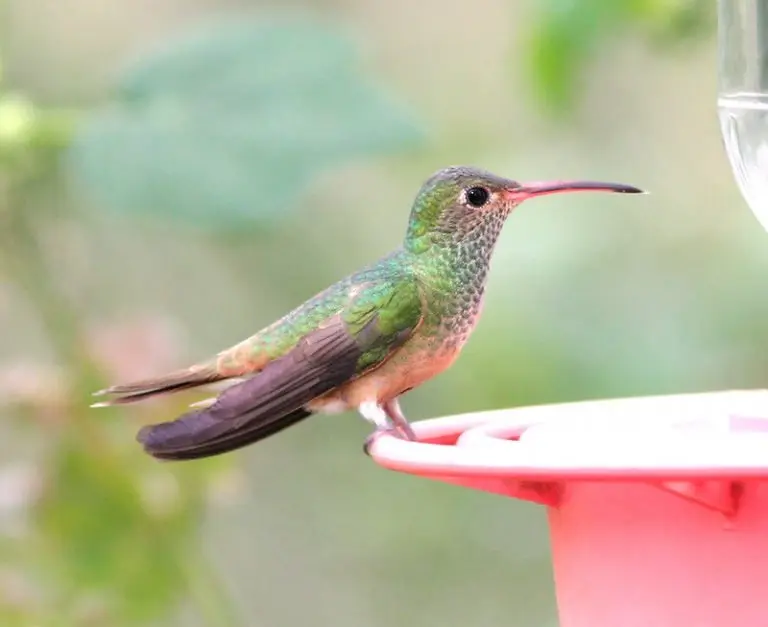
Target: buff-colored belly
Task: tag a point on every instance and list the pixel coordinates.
(411, 366)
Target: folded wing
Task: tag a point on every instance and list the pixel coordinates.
(379, 319)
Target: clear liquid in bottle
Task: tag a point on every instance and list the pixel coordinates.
(744, 127)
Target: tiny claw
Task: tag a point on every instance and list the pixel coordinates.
(375, 436)
(369, 442)
(102, 404)
(100, 392)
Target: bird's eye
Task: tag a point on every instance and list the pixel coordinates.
(477, 196)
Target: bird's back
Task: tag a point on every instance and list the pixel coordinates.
(273, 341)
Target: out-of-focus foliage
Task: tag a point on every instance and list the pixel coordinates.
(221, 129)
(98, 528)
(567, 34)
(29, 135)
(239, 124)
(229, 126)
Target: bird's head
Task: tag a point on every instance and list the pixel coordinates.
(460, 203)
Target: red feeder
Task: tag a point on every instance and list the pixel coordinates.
(658, 506)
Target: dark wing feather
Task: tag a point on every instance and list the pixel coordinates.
(275, 398)
(247, 412)
(152, 438)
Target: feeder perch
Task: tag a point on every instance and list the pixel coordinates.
(657, 506)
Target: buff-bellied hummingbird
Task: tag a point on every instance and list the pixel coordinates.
(364, 341)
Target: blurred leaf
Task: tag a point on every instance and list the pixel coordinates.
(568, 33)
(30, 135)
(230, 125)
(559, 44)
(691, 19)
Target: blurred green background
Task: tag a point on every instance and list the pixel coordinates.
(176, 174)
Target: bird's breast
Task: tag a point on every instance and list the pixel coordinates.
(433, 348)
(418, 360)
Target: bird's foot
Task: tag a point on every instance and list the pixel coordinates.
(395, 414)
(388, 418)
(405, 430)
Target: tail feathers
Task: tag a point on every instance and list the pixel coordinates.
(199, 434)
(173, 382)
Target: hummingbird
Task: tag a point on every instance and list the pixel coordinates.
(363, 342)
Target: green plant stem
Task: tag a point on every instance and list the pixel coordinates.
(25, 264)
(207, 591)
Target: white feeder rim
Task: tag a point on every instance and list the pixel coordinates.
(713, 435)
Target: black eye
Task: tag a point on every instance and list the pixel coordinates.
(477, 196)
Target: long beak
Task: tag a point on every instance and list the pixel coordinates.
(541, 188)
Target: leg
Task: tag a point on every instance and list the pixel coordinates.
(395, 414)
(374, 414)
